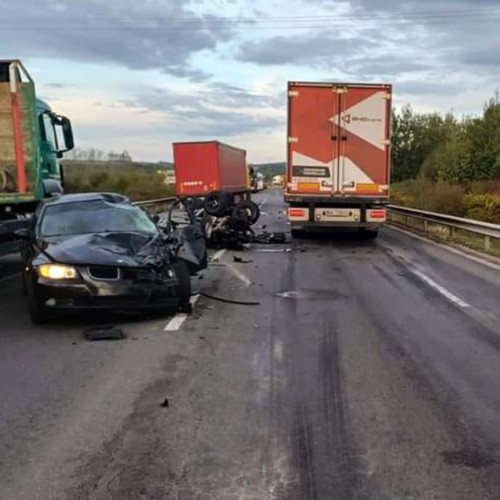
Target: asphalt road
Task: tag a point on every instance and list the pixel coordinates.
(370, 370)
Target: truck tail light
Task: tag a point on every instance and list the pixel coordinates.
(296, 212)
(378, 214)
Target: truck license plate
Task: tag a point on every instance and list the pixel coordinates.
(335, 213)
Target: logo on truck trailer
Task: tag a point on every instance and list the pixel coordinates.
(348, 119)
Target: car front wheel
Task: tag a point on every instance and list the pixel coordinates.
(38, 313)
(184, 285)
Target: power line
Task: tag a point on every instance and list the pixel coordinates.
(352, 25)
(424, 15)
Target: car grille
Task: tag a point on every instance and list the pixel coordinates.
(104, 272)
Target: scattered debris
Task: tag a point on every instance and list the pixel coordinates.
(229, 301)
(107, 332)
(240, 260)
(165, 403)
(269, 238)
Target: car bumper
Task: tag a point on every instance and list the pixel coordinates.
(119, 296)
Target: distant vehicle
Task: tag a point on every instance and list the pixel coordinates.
(260, 184)
(97, 251)
(216, 172)
(257, 182)
(204, 167)
(278, 180)
(338, 156)
(32, 140)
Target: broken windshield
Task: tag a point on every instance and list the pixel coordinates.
(95, 216)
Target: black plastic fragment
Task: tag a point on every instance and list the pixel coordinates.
(165, 403)
(240, 260)
(107, 332)
(230, 301)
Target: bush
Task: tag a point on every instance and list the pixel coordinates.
(482, 207)
(445, 199)
(433, 197)
(136, 186)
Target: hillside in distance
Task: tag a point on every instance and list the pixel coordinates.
(270, 169)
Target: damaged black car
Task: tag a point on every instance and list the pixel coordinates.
(98, 251)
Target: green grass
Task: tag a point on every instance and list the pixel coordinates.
(137, 181)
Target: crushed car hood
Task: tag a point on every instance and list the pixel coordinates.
(110, 249)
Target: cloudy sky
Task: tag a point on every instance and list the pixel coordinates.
(139, 75)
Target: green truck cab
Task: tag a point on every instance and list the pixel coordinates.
(33, 140)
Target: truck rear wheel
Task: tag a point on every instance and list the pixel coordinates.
(370, 234)
(252, 210)
(298, 233)
(216, 203)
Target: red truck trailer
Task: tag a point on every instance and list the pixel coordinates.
(204, 167)
(338, 157)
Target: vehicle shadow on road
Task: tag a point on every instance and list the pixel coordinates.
(337, 237)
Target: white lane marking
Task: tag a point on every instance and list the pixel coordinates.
(479, 260)
(218, 255)
(236, 272)
(178, 320)
(11, 277)
(443, 291)
(278, 350)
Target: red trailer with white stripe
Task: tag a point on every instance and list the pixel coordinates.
(338, 156)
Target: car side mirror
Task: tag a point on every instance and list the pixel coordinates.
(155, 219)
(21, 234)
(68, 133)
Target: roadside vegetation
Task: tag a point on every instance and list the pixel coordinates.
(448, 165)
(137, 181)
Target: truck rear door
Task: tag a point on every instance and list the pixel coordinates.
(312, 139)
(364, 121)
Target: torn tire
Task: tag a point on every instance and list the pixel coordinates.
(216, 203)
(251, 208)
(239, 219)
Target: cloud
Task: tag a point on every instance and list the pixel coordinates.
(419, 87)
(218, 110)
(159, 34)
(316, 49)
(58, 86)
(464, 32)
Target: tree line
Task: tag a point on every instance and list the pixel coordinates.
(444, 148)
(93, 154)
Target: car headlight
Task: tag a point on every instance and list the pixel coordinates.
(57, 272)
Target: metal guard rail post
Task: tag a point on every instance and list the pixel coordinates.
(156, 206)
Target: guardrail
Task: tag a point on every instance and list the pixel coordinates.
(447, 226)
(156, 206)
